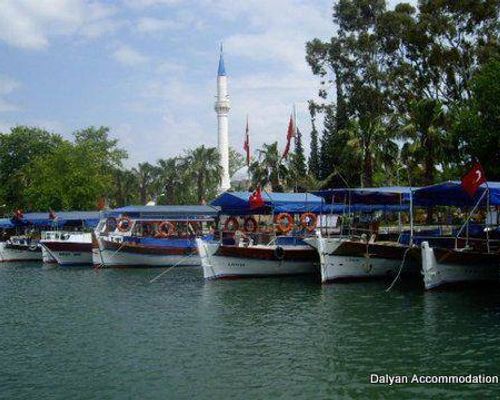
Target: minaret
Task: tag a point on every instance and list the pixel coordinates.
(222, 108)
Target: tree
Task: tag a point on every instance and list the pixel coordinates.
(124, 189)
(66, 179)
(269, 168)
(146, 175)
(17, 150)
(204, 172)
(476, 125)
(314, 153)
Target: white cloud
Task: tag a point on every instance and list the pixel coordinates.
(126, 55)
(153, 25)
(7, 86)
(29, 24)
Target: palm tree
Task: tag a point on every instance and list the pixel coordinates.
(428, 143)
(269, 168)
(125, 187)
(146, 177)
(372, 143)
(172, 180)
(202, 166)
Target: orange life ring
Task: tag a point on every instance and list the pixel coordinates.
(308, 221)
(124, 224)
(250, 225)
(169, 231)
(284, 222)
(232, 223)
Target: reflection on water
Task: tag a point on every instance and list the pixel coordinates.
(111, 334)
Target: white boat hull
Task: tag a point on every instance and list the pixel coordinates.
(336, 267)
(437, 274)
(69, 258)
(217, 267)
(122, 257)
(8, 254)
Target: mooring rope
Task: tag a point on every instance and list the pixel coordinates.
(400, 269)
(173, 266)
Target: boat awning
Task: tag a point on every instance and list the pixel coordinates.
(42, 219)
(237, 203)
(6, 223)
(388, 195)
(161, 212)
(451, 193)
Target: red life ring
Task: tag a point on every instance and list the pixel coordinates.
(250, 225)
(166, 228)
(124, 224)
(308, 221)
(284, 222)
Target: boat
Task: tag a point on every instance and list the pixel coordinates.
(23, 233)
(361, 251)
(67, 248)
(151, 236)
(474, 259)
(269, 245)
(20, 248)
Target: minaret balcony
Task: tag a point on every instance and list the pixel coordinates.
(222, 106)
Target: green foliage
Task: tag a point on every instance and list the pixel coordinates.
(269, 168)
(67, 179)
(17, 149)
(476, 125)
(314, 164)
(402, 78)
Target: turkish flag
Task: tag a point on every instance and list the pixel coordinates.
(256, 200)
(473, 179)
(289, 135)
(246, 145)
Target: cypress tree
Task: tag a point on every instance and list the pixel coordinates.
(314, 155)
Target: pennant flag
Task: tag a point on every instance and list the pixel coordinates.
(52, 215)
(18, 215)
(101, 203)
(256, 200)
(246, 145)
(290, 134)
(473, 179)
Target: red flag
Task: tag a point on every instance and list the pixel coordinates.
(246, 145)
(52, 214)
(473, 179)
(290, 134)
(256, 200)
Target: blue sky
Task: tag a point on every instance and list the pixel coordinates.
(147, 68)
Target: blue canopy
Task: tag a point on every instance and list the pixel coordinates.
(237, 203)
(6, 223)
(179, 212)
(451, 193)
(388, 195)
(86, 218)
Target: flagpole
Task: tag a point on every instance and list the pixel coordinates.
(486, 221)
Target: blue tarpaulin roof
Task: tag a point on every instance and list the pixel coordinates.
(237, 203)
(388, 195)
(180, 211)
(6, 223)
(87, 218)
(451, 193)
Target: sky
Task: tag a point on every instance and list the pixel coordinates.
(147, 68)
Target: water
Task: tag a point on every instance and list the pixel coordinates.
(81, 334)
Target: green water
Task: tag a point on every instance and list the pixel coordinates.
(81, 334)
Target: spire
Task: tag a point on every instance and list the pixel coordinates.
(222, 70)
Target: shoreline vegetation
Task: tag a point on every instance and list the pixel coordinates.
(408, 96)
